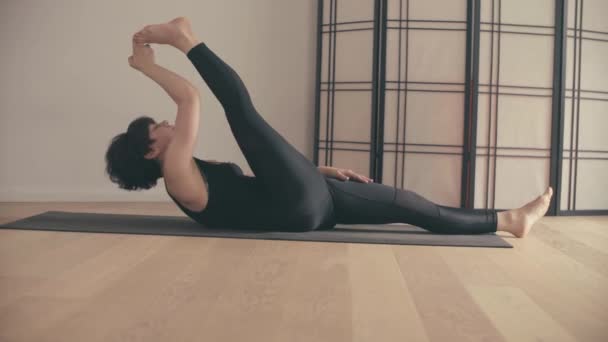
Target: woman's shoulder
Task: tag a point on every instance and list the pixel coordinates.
(188, 187)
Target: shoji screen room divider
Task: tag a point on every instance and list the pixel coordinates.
(470, 103)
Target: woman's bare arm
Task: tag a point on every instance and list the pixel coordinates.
(178, 88)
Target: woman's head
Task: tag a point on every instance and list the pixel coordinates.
(134, 158)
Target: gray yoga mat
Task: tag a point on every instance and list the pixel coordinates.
(182, 225)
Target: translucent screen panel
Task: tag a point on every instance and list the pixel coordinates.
(584, 185)
(345, 101)
(585, 155)
(350, 143)
(524, 134)
(437, 179)
(514, 114)
(349, 10)
(447, 10)
(424, 98)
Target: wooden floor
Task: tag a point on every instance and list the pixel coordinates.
(63, 286)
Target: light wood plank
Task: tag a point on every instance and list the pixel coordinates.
(21, 319)
(516, 316)
(448, 311)
(121, 253)
(572, 294)
(152, 287)
(382, 303)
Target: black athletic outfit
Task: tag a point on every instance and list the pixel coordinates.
(288, 192)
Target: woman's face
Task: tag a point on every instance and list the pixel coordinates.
(162, 133)
(160, 130)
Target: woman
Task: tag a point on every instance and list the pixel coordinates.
(288, 192)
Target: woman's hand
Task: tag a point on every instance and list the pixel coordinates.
(143, 56)
(343, 174)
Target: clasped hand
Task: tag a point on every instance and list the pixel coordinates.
(143, 56)
(343, 174)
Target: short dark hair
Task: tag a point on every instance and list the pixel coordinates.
(125, 162)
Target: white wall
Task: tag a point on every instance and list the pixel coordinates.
(67, 89)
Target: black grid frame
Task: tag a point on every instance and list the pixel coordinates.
(406, 25)
(331, 86)
(472, 89)
(578, 35)
(496, 89)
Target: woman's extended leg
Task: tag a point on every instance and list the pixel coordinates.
(375, 203)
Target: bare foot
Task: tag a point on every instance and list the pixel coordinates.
(173, 32)
(525, 217)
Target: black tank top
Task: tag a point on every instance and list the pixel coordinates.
(229, 192)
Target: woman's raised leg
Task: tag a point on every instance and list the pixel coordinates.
(289, 177)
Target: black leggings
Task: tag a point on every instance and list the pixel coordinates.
(308, 199)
